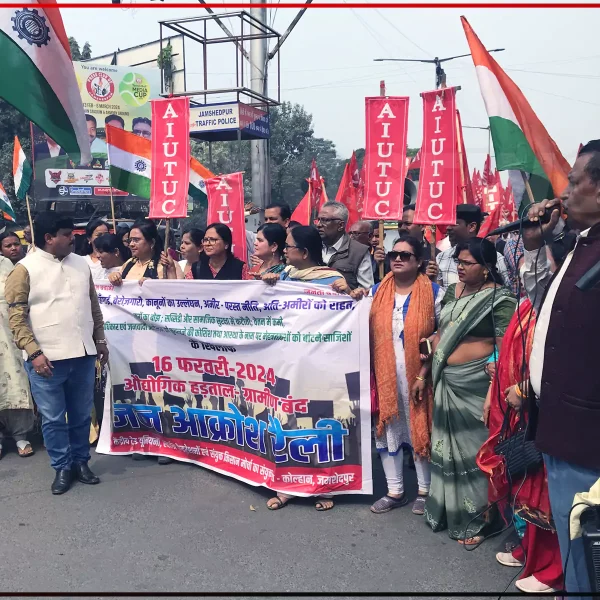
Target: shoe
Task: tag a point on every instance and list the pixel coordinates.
(84, 474)
(508, 560)
(165, 460)
(62, 482)
(530, 585)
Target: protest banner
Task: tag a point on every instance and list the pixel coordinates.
(385, 157)
(267, 385)
(170, 158)
(439, 177)
(226, 205)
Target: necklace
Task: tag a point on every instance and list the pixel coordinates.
(466, 305)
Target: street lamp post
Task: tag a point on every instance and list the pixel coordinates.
(440, 74)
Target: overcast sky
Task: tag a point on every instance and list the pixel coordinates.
(327, 63)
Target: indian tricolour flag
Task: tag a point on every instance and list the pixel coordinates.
(129, 157)
(38, 77)
(520, 140)
(6, 208)
(22, 171)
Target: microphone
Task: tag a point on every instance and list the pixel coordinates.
(525, 222)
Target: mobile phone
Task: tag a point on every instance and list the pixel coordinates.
(425, 348)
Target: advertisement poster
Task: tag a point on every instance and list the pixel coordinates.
(269, 385)
(115, 95)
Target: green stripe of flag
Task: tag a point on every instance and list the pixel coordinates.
(130, 182)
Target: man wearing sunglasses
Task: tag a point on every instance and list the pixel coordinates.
(340, 251)
(468, 221)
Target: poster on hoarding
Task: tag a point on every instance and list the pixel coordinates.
(115, 95)
(269, 385)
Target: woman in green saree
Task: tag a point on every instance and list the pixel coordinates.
(475, 313)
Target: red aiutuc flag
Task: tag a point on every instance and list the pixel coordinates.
(477, 188)
(466, 177)
(170, 151)
(487, 177)
(385, 156)
(508, 204)
(315, 187)
(360, 191)
(354, 170)
(440, 172)
(226, 205)
(492, 222)
(347, 194)
(302, 212)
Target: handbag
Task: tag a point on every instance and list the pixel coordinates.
(518, 449)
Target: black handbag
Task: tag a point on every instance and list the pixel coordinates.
(518, 448)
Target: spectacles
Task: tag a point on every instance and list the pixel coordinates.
(134, 240)
(358, 233)
(465, 263)
(288, 247)
(210, 241)
(326, 220)
(142, 133)
(403, 256)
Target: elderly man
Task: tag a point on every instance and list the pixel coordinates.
(468, 221)
(564, 354)
(362, 232)
(351, 258)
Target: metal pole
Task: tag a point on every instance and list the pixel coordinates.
(258, 84)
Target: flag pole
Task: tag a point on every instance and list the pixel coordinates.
(381, 228)
(30, 221)
(167, 233)
(112, 204)
(528, 187)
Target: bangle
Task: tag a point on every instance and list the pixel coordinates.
(35, 355)
(419, 378)
(519, 392)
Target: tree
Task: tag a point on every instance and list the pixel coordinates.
(75, 51)
(12, 123)
(86, 53)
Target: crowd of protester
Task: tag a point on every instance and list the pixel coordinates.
(469, 347)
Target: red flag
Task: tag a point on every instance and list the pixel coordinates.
(466, 179)
(487, 176)
(477, 188)
(492, 222)
(315, 187)
(415, 163)
(440, 173)
(385, 155)
(354, 170)
(579, 149)
(508, 205)
(302, 212)
(170, 148)
(360, 191)
(226, 205)
(346, 194)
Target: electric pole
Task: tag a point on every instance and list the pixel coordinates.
(261, 190)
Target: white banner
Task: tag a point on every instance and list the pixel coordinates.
(269, 385)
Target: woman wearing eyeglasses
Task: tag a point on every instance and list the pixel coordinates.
(304, 256)
(475, 314)
(405, 310)
(217, 261)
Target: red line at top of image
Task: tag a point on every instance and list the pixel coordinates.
(244, 5)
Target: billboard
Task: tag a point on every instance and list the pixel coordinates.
(113, 95)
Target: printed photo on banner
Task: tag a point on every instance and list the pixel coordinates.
(111, 95)
(205, 375)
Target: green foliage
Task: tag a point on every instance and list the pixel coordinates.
(13, 123)
(75, 50)
(86, 53)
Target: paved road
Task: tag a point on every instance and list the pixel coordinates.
(182, 528)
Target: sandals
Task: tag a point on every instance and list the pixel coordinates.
(471, 541)
(277, 502)
(25, 451)
(388, 503)
(323, 504)
(418, 507)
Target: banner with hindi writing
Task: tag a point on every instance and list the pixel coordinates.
(269, 385)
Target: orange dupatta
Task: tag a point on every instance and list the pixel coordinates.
(420, 323)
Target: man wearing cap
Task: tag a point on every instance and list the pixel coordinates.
(468, 221)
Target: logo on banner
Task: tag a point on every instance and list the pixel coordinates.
(385, 157)
(170, 165)
(100, 86)
(437, 194)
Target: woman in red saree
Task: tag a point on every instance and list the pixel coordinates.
(538, 552)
